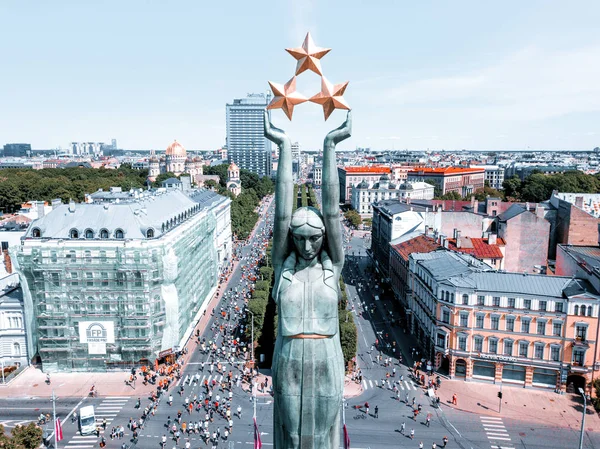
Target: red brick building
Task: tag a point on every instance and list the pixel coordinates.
(463, 181)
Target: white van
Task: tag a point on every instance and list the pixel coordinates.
(376, 298)
(87, 420)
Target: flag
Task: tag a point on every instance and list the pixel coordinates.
(346, 438)
(58, 429)
(257, 442)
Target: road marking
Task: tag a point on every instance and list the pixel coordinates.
(365, 384)
(371, 383)
(489, 418)
(497, 426)
(407, 385)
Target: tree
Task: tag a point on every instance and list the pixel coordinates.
(262, 286)
(451, 196)
(512, 187)
(219, 170)
(353, 217)
(27, 437)
(211, 184)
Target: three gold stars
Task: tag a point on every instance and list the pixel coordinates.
(308, 57)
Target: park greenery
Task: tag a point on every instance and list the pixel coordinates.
(18, 186)
(353, 218)
(243, 207)
(21, 437)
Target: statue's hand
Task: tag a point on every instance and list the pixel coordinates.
(274, 134)
(341, 133)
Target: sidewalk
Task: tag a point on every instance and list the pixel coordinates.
(527, 404)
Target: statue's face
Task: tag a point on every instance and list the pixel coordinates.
(308, 241)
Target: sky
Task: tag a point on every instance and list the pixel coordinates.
(423, 75)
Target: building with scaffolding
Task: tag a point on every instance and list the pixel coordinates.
(111, 285)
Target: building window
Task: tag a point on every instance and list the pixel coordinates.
(103, 234)
(446, 316)
(462, 342)
(478, 344)
(581, 333)
(150, 233)
(525, 325)
(119, 234)
(55, 280)
(578, 357)
(559, 307)
(103, 256)
(89, 279)
(72, 256)
(480, 300)
(74, 234)
(510, 323)
(74, 277)
(496, 301)
(16, 350)
(447, 296)
(557, 329)
(36, 233)
(138, 279)
(583, 309)
(465, 299)
(495, 322)
(527, 304)
(464, 319)
(576, 310)
(589, 312)
(493, 346)
(539, 351)
(508, 347)
(555, 353)
(441, 340)
(541, 327)
(543, 306)
(89, 234)
(511, 303)
(523, 349)
(104, 276)
(479, 321)
(53, 257)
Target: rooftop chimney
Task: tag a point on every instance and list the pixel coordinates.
(579, 202)
(458, 239)
(40, 209)
(539, 211)
(71, 206)
(492, 239)
(427, 230)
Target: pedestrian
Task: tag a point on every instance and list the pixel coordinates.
(367, 408)
(420, 445)
(412, 434)
(403, 428)
(433, 446)
(454, 399)
(445, 441)
(376, 412)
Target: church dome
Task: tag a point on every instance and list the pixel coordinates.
(176, 149)
(233, 166)
(384, 178)
(406, 186)
(363, 185)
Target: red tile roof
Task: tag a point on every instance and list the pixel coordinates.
(446, 171)
(367, 169)
(478, 248)
(420, 244)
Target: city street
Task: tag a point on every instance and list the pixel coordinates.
(377, 337)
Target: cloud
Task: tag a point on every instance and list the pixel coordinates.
(531, 84)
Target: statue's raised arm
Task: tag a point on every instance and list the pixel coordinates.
(284, 192)
(331, 191)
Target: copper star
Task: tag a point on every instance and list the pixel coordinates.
(308, 56)
(331, 97)
(286, 97)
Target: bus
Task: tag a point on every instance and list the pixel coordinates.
(87, 420)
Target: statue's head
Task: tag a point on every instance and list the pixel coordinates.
(308, 232)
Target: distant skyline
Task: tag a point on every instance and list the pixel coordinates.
(437, 75)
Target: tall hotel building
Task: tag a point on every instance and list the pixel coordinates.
(113, 284)
(246, 145)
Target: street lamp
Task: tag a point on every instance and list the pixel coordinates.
(252, 357)
(582, 393)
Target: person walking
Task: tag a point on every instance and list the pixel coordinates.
(367, 408)
(376, 412)
(445, 441)
(403, 428)
(412, 434)
(454, 399)
(420, 445)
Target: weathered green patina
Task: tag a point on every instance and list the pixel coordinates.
(308, 365)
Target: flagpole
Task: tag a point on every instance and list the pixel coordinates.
(54, 415)
(343, 411)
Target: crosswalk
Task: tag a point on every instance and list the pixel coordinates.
(107, 410)
(496, 432)
(403, 386)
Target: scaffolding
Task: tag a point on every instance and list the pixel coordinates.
(151, 290)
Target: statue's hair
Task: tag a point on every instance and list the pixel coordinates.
(309, 216)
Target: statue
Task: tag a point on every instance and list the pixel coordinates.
(308, 364)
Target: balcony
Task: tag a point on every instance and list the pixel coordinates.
(581, 343)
